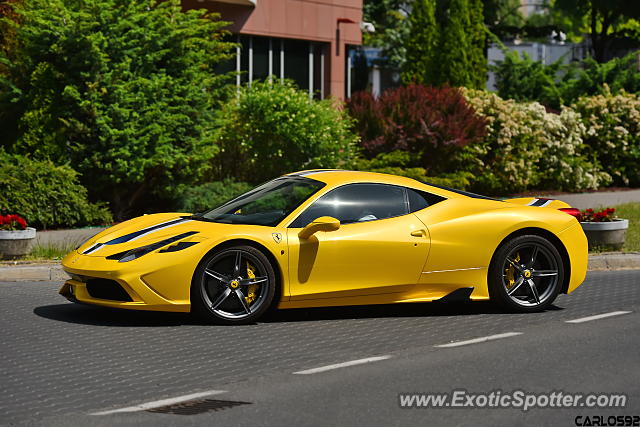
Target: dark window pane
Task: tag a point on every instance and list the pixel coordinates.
(244, 59)
(275, 45)
(420, 199)
(356, 203)
(260, 58)
(318, 51)
(296, 62)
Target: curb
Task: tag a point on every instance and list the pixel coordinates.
(32, 272)
(614, 261)
(53, 272)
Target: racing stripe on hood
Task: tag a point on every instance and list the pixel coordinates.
(136, 234)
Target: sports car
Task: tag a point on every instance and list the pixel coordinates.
(332, 238)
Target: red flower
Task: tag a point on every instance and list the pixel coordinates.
(12, 222)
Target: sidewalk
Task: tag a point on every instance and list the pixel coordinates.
(25, 271)
(600, 199)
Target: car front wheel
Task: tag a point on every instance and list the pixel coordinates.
(234, 285)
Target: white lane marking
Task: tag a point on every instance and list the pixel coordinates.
(342, 365)
(598, 316)
(479, 340)
(159, 403)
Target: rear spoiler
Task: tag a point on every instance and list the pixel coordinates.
(542, 202)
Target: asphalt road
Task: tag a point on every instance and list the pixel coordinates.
(61, 362)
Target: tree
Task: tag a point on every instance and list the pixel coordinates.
(455, 48)
(502, 12)
(123, 90)
(390, 20)
(446, 44)
(422, 43)
(604, 18)
(478, 42)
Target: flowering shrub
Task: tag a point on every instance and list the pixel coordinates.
(434, 124)
(527, 147)
(604, 215)
(613, 133)
(12, 222)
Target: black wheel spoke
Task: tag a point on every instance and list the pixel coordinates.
(516, 286)
(534, 254)
(253, 281)
(223, 296)
(218, 276)
(515, 265)
(241, 297)
(544, 273)
(534, 291)
(237, 266)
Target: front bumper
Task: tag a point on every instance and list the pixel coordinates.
(156, 281)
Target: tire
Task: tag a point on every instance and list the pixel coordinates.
(223, 291)
(526, 274)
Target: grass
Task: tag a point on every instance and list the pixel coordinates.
(50, 251)
(630, 211)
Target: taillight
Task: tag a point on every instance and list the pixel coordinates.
(573, 212)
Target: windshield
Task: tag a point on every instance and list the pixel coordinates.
(267, 204)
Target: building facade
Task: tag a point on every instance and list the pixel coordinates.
(306, 41)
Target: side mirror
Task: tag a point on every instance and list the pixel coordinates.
(324, 223)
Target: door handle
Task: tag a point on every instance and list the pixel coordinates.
(418, 233)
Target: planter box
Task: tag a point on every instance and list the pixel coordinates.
(609, 235)
(16, 243)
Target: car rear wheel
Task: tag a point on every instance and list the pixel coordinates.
(526, 274)
(234, 285)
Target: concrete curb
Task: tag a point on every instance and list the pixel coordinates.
(614, 261)
(32, 272)
(26, 272)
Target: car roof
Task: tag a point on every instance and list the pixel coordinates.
(336, 177)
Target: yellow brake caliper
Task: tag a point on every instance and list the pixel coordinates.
(251, 292)
(510, 270)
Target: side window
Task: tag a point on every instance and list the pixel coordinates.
(356, 203)
(420, 199)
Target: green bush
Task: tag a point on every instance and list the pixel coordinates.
(46, 195)
(528, 148)
(523, 79)
(210, 195)
(123, 90)
(613, 133)
(272, 128)
(400, 163)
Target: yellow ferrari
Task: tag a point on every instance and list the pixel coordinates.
(330, 238)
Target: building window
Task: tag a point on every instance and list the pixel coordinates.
(302, 61)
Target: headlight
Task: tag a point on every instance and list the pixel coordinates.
(136, 253)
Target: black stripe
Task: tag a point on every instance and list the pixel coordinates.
(539, 202)
(131, 236)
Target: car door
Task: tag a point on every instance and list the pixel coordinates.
(379, 248)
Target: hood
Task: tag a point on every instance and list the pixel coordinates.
(142, 231)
